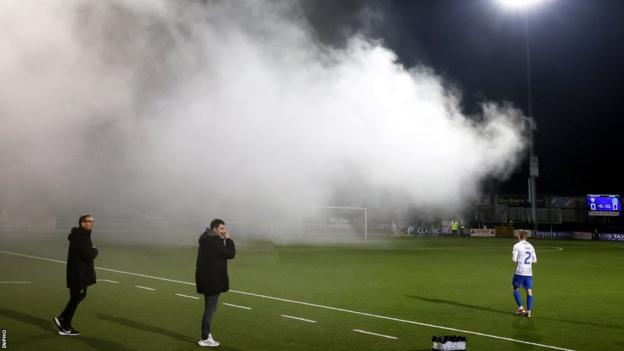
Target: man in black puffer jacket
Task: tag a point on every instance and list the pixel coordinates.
(80, 272)
(211, 276)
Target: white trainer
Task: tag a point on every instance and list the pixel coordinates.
(210, 342)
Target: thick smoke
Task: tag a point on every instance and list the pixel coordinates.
(226, 108)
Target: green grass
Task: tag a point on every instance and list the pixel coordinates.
(457, 283)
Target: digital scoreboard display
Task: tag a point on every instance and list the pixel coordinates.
(604, 205)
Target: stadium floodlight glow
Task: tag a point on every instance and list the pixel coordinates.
(520, 4)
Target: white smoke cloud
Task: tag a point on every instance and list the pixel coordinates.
(217, 106)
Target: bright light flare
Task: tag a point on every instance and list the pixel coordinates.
(520, 4)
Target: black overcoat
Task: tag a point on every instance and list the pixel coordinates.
(80, 268)
(211, 275)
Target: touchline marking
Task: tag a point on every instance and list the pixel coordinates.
(312, 305)
(460, 248)
(100, 268)
(187, 296)
(14, 282)
(404, 321)
(237, 306)
(298, 318)
(144, 287)
(108, 281)
(371, 333)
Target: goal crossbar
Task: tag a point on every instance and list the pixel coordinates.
(364, 209)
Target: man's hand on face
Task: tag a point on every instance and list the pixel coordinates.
(225, 235)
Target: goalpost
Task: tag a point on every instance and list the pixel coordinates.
(333, 221)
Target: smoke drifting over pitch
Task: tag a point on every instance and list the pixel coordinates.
(222, 108)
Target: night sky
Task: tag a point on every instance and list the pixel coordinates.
(577, 66)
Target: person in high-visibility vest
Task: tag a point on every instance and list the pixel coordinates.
(454, 227)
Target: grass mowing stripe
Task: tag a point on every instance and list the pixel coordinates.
(298, 318)
(316, 305)
(371, 333)
(14, 282)
(237, 306)
(187, 296)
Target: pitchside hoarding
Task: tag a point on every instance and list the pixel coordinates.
(611, 236)
(482, 232)
(552, 235)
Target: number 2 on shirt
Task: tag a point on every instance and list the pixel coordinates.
(526, 260)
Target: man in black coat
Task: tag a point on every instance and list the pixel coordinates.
(80, 272)
(211, 277)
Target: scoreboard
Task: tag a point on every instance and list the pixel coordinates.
(604, 205)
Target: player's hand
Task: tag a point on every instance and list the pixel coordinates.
(226, 234)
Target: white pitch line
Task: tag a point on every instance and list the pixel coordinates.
(108, 281)
(187, 296)
(298, 318)
(144, 287)
(14, 282)
(237, 306)
(404, 321)
(100, 268)
(314, 305)
(371, 333)
(459, 248)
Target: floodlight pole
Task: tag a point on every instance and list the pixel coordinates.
(533, 160)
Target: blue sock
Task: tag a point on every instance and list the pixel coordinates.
(518, 298)
(529, 302)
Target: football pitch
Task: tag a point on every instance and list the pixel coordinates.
(390, 294)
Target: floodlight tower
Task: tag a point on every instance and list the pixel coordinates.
(524, 6)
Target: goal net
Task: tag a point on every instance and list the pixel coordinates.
(333, 221)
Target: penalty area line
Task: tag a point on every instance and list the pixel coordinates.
(491, 336)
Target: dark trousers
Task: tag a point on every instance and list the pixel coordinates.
(75, 296)
(210, 307)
